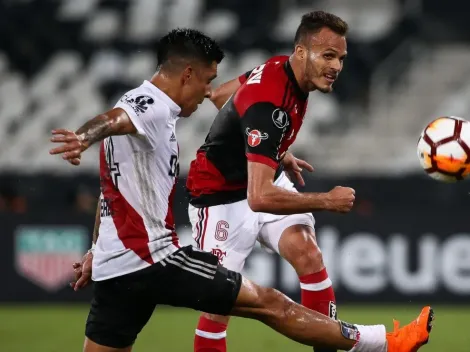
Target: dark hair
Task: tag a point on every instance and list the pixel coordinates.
(188, 44)
(313, 22)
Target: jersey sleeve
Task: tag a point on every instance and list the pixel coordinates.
(148, 115)
(264, 126)
(242, 79)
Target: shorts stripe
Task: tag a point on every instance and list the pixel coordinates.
(199, 229)
(187, 268)
(206, 217)
(196, 261)
(194, 266)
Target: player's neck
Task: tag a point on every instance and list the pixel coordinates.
(299, 74)
(166, 85)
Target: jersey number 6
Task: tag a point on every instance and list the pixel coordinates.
(221, 233)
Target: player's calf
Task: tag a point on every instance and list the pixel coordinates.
(299, 247)
(289, 318)
(314, 329)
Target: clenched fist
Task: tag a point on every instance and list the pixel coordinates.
(341, 199)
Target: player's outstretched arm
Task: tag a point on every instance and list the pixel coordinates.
(222, 93)
(264, 196)
(112, 123)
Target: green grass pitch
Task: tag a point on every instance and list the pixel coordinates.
(60, 328)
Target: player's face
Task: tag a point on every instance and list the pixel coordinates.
(198, 87)
(324, 60)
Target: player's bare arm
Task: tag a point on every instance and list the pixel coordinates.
(264, 196)
(222, 93)
(112, 123)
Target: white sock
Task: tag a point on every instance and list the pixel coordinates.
(372, 338)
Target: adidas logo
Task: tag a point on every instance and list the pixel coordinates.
(173, 137)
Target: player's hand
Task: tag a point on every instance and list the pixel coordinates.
(295, 166)
(72, 146)
(82, 272)
(341, 199)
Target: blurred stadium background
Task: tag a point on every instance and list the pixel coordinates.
(406, 243)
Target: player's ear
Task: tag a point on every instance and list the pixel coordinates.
(188, 73)
(300, 52)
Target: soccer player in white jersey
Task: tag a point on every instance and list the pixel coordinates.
(136, 261)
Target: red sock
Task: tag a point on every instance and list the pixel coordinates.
(317, 293)
(210, 336)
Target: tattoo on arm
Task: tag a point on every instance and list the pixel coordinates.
(95, 130)
(113, 123)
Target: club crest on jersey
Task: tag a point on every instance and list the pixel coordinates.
(255, 137)
(220, 254)
(139, 104)
(280, 118)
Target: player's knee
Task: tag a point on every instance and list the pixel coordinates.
(299, 247)
(305, 257)
(309, 258)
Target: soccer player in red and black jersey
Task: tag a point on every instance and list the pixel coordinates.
(238, 186)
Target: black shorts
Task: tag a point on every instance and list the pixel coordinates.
(190, 278)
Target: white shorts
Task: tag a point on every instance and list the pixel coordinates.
(230, 231)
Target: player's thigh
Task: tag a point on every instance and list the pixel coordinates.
(194, 279)
(295, 230)
(229, 231)
(120, 308)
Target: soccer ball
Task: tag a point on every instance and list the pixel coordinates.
(444, 149)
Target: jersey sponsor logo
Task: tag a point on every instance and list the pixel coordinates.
(255, 137)
(139, 104)
(280, 118)
(220, 254)
(43, 254)
(173, 137)
(105, 209)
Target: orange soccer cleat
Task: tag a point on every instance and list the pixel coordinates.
(411, 337)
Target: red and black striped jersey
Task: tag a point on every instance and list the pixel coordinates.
(258, 123)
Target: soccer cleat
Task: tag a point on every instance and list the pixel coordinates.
(411, 337)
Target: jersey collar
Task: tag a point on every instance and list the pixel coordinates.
(175, 109)
(290, 74)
